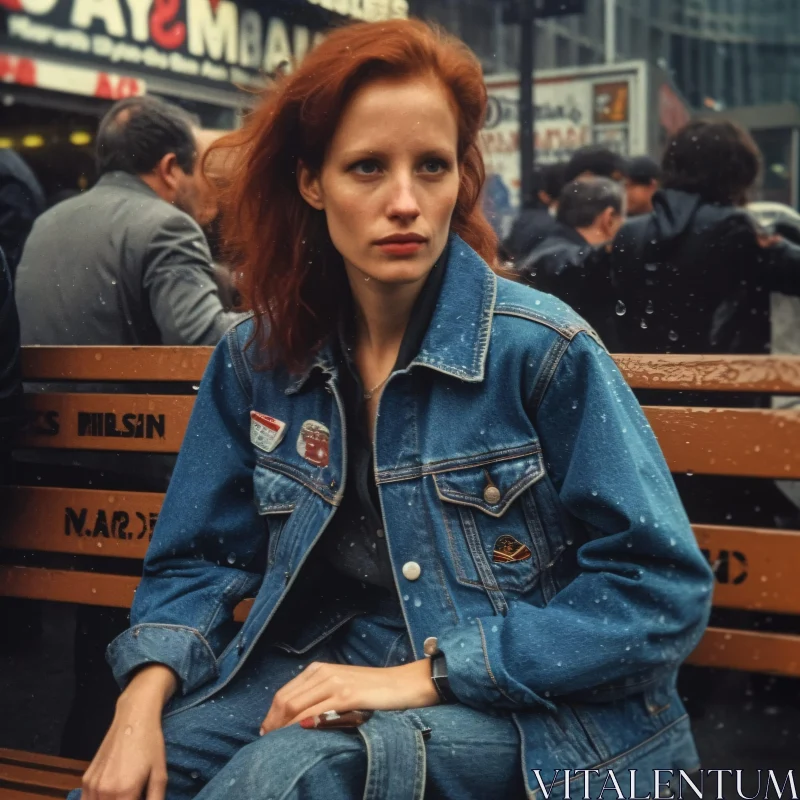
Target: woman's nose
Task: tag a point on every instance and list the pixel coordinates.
(403, 200)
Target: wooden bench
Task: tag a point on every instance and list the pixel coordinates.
(90, 522)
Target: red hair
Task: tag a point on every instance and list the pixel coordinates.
(291, 273)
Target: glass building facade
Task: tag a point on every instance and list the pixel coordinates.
(720, 53)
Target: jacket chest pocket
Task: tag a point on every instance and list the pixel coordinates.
(494, 529)
(276, 497)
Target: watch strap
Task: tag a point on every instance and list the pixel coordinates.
(440, 678)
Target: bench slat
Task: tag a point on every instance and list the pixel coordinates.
(68, 586)
(741, 650)
(754, 567)
(728, 441)
(86, 588)
(126, 422)
(751, 442)
(26, 758)
(735, 373)
(773, 374)
(752, 564)
(114, 363)
(15, 794)
(36, 777)
(748, 651)
(79, 521)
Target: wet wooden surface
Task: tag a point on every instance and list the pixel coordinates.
(150, 364)
(772, 374)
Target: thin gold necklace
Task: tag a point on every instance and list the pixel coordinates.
(369, 393)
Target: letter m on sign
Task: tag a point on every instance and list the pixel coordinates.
(213, 29)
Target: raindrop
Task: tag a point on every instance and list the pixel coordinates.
(231, 558)
(643, 324)
(672, 336)
(417, 602)
(196, 388)
(648, 309)
(620, 308)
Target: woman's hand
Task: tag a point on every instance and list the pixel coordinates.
(338, 687)
(131, 762)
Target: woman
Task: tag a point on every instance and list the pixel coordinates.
(418, 469)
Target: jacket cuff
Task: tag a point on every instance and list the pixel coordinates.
(471, 672)
(182, 649)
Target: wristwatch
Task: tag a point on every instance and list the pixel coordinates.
(439, 671)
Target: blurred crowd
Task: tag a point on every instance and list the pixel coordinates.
(662, 258)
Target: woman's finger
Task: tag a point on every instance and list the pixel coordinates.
(281, 712)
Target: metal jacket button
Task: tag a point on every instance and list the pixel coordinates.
(411, 570)
(430, 646)
(491, 494)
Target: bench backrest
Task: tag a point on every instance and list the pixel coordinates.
(714, 441)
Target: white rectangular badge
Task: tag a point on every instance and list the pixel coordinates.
(266, 432)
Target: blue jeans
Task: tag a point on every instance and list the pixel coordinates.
(214, 750)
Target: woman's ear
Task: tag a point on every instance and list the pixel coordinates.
(309, 186)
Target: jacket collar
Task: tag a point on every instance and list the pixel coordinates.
(124, 180)
(457, 340)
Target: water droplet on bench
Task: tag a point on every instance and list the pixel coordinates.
(620, 308)
(231, 558)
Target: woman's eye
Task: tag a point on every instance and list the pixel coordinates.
(366, 168)
(433, 166)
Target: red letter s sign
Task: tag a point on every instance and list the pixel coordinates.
(162, 14)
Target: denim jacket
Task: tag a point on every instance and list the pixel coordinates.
(533, 526)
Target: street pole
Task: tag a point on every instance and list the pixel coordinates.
(611, 31)
(527, 155)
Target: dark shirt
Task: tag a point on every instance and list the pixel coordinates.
(355, 544)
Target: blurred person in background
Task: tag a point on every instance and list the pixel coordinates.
(695, 275)
(641, 183)
(595, 161)
(126, 262)
(572, 262)
(21, 201)
(533, 225)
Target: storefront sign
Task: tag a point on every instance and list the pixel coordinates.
(58, 77)
(216, 41)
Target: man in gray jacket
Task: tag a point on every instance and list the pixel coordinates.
(126, 263)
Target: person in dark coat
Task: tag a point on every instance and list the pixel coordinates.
(21, 202)
(533, 225)
(10, 377)
(695, 275)
(572, 261)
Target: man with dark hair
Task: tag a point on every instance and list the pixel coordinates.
(641, 183)
(595, 161)
(572, 263)
(534, 225)
(126, 262)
